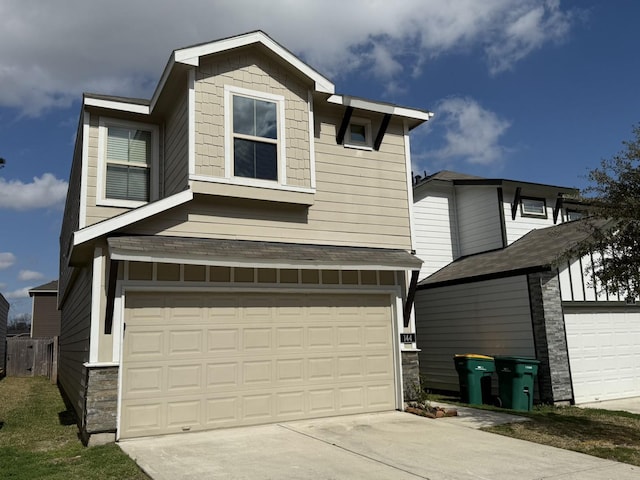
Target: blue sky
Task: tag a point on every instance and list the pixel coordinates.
(536, 90)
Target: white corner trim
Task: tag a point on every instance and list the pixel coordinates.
(116, 326)
(191, 55)
(133, 216)
(380, 107)
(116, 105)
(191, 116)
(409, 168)
(96, 282)
(84, 158)
(312, 140)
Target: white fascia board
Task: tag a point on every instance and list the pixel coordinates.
(163, 80)
(380, 107)
(115, 105)
(191, 56)
(181, 258)
(133, 216)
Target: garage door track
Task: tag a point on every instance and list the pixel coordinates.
(376, 446)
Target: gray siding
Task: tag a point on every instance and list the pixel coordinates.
(490, 318)
(176, 159)
(478, 219)
(74, 340)
(46, 316)
(4, 315)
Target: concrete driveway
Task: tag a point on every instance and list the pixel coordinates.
(392, 445)
(631, 405)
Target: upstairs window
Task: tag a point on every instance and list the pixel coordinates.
(128, 160)
(128, 157)
(533, 207)
(255, 138)
(358, 134)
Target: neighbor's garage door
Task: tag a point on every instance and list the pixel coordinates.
(202, 361)
(604, 353)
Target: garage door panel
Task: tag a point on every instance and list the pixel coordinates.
(603, 354)
(277, 357)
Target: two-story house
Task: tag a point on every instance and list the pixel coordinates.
(497, 279)
(45, 316)
(237, 249)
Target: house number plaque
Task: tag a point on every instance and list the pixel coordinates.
(407, 337)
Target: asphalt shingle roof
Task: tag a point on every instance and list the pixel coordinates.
(537, 250)
(247, 251)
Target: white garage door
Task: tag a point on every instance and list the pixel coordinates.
(604, 353)
(202, 361)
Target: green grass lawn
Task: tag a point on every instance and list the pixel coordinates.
(39, 438)
(602, 433)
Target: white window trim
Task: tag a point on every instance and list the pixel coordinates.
(526, 213)
(229, 91)
(101, 198)
(368, 143)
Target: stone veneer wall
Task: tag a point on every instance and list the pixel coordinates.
(554, 375)
(101, 402)
(410, 376)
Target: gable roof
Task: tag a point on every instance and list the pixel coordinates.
(50, 287)
(457, 178)
(538, 250)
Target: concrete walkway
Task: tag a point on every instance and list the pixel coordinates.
(378, 446)
(631, 405)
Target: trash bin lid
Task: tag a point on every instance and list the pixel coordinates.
(517, 359)
(472, 355)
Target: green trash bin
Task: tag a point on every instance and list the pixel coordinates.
(516, 377)
(474, 374)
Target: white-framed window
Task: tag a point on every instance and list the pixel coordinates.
(255, 136)
(127, 163)
(358, 134)
(533, 207)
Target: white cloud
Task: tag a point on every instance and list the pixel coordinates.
(6, 260)
(52, 51)
(20, 293)
(27, 275)
(472, 133)
(46, 191)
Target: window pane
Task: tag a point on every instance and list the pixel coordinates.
(358, 133)
(140, 147)
(255, 159)
(534, 207)
(127, 183)
(244, 115)
(244, 157)
(266, 161)
(117, 181)
(118, 144)
(266, 119)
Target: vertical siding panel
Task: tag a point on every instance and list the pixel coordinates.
(478, 219)
(490, 317)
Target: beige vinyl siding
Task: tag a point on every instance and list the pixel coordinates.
(365, 209)
(478, 219)
(176, 158)
(491, 318)
(247, 68)
(71, 217)
(46, 316)
(97, 213)
(4, 315)
(74, 340)
(435, 229)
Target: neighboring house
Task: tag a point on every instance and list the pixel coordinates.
(512, 290)
(4, 316)
(45, 316)
(236, 250)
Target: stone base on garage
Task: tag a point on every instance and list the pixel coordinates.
(412, 388)
(101, 404)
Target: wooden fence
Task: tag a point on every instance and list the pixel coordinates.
(29, 357)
